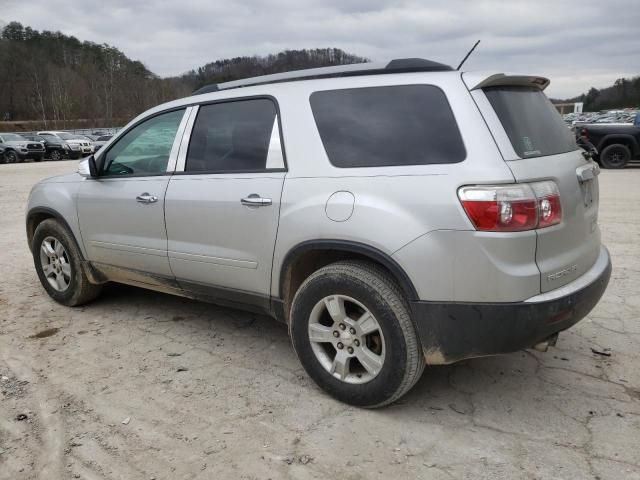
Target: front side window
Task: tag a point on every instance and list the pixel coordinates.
(533, 125)
(387, 126)
(236, 136)
(145, 149)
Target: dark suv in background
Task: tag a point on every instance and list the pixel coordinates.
(55, 148)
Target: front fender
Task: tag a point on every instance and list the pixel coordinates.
(55, 199)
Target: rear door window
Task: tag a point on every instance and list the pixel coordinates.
(236, 136)
(387, 126)
(533, 125)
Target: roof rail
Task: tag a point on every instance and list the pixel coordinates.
(399, 65)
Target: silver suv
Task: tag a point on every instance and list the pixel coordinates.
(393, 215)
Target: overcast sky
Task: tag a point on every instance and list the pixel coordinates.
(578, 44)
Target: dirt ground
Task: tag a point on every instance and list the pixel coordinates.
(141, 385)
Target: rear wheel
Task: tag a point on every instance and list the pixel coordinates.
(59, 265)
(352, 332)
(615, 156)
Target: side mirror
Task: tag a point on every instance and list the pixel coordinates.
(88, 167)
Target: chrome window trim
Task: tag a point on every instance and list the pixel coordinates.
(275, 155)
(177, 141)
(186, 137)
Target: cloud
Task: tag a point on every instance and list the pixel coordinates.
(578, 44)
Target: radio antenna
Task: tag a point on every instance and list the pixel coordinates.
(467, 55)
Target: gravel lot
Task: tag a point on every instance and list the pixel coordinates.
(140, 385)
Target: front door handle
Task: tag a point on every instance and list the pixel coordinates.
(146, 198)
(255, 200)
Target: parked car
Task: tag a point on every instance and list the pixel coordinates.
(99, 142)
(18, 148)
(78, 147)
(617, 144)
(87, 139)
(393, 215)
(55, 148)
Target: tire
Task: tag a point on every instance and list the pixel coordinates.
(78, 290)
(56, 155)
(11, 156)
(615, 156)
(363, 288)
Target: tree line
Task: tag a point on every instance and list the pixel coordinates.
(625, 92)
(56, 79)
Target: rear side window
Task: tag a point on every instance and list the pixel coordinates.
(237, 136)
(387, 126)
(532, 123)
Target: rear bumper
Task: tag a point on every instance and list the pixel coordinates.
(453, 331)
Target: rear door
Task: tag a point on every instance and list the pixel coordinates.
(537, 145)
(223, 203)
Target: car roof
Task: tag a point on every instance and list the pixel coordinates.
(399, 65)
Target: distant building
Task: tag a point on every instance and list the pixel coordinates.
(569, 107)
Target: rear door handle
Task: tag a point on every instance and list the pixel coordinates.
(255, 200)
(146, 198)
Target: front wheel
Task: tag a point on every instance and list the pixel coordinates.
(11, 156)
(56, 155)
(353, 334)
(59, 265)
(615, 156)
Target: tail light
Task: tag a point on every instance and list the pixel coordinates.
(584, 133)
(512, 208)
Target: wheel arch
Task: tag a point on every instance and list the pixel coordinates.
(621, 138)
(307, 257)
(37, 215)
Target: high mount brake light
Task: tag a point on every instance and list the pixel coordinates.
(512, 208)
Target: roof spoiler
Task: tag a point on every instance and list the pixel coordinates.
(502, 80)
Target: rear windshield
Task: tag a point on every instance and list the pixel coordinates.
(532, 123)
(385, 126)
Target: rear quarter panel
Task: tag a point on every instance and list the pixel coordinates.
(392, 206)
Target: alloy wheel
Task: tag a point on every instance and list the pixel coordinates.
(55, 264)
(11, 157)
(346, 339)
(615, 158)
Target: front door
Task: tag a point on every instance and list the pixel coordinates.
(121, 213)
(222, 209)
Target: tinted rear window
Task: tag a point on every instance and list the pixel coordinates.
(234, 137)
(387, 126)
(532, 123)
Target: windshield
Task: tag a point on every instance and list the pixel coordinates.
(12, 137)
(534, 126)
(65, 136)
(81, 137)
